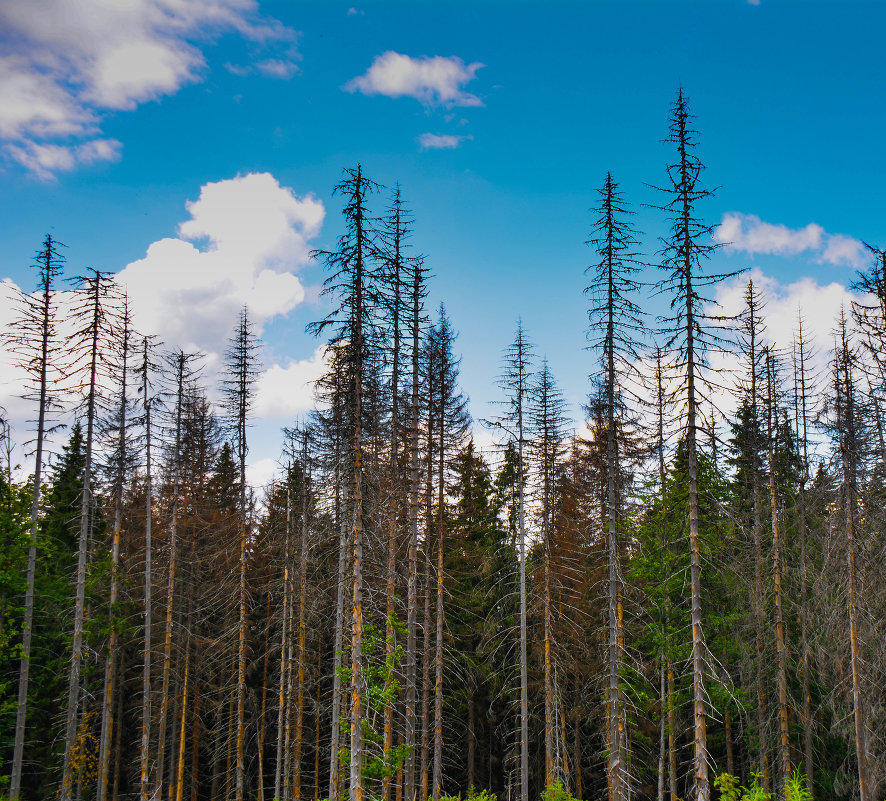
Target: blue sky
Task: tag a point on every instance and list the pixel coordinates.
(194, 144)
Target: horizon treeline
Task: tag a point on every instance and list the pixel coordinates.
(678, 603)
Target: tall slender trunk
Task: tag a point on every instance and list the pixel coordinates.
(672, 734)
(180, 362)
(616, 766)
(334, 740)
(358, 343)
(548, 667)
(848, 456)
(182, 738)
(805, 656)
(318, 708)
(144, 774)
(264, 703)
(412, 554)
(576, 739)
(780, 656)
(524, 662)
(700, 762)
(662, 733)
(46, 319)
(282, 696)
(302, 631)
(111, 664)
(115, 786)
(426, 679)
(394, 503)
(438, 653)
(195, 745)
(85, 530)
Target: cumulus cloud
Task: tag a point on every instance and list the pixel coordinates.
(430, 141)
(433, 81)
(284, 392)
(749, 234)
(245, 238)
(67, 62)
(819, 304)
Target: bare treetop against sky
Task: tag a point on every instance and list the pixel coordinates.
(192, 145)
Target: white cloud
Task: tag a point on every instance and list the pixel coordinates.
(46, 160)
(262, 472)
(66, 62)
(429, 141)
(255, 235)
(284, 392)
(749, 234)
(434, 81)
(844, 250)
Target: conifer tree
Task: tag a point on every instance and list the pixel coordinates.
(515, 381)
(241, 362)
(691, 335)
(119, 467)
(547, 417)
(33, 341)
(352, 284)
(615, 314)
(94, 311)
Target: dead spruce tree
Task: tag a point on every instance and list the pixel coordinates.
(241, 372)
(691, 334)
(352, 283)
(33, 341)
(95, 308)
(119, 466)
(515, 381)
(615, 326)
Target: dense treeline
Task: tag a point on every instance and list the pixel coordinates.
(635, 611)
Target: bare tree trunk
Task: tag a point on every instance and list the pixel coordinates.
(302, 655)
(412, 555)
(85, 530)
(801, 433)
(48, 269)
(672, 734)
(426, 677)
(317, 721)
(144, 775)
(282, 697)
(119, 478)
(616, 766)
(438, 654)
(167, 652)
(334, 746)
(195, 746)
(264, 704)
(662, 732)
(182, 740)
(780, 656)
(847, 429)
(524, 662)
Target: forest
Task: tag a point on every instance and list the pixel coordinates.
(676, 603)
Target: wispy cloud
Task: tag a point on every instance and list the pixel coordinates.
(66, 65)
(430, 141)
(747, 233)
(47, 160)
(433, 81)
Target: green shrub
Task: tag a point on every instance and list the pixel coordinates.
(556, 792)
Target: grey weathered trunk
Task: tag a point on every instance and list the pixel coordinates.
(83, 546)
(780, 654)
(46, 330)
